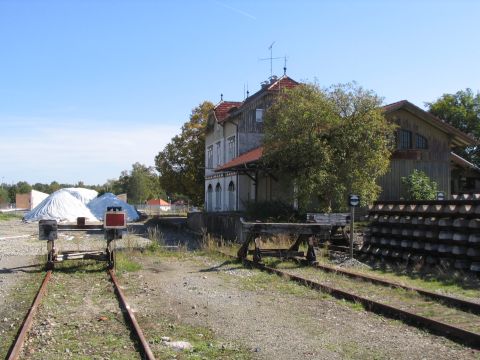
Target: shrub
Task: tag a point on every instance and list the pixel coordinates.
(271, 211)
(419, 186)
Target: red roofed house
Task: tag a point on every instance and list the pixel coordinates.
(233, 146)
(234, 136)
(162, 204)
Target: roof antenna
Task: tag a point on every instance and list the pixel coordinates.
(248, 92)
(221, 97)
(285, 66)
(271, 58)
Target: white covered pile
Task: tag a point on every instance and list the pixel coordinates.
(82, 194)
(66, 205)
(60, 206)
(99, 205)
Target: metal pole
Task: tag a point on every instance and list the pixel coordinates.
(352, 220)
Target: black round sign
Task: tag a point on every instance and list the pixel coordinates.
(354, 200)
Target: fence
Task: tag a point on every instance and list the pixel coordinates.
(164, 209)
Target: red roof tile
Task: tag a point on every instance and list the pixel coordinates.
(157, 202)
(222, 109)
(283, 83)
(242, 160)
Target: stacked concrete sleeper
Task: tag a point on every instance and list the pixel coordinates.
(431, 232)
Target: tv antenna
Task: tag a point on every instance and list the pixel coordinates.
(271, 58)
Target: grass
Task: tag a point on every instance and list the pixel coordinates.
(205, 344)
(125, 262)
(20, 298)
(80, 316)
(9, 216)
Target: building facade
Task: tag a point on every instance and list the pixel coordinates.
(234, 176)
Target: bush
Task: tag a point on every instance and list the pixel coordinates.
(419, 186)
(271, 211)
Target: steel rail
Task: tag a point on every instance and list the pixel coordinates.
(437, 327)
(462, 304)
(16, 349)
(131, 317)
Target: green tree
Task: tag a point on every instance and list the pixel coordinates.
(461, 110)
(4, 197)
(22, 187)
(143, 184)
(180, 163)
(419, 186)
(331, 141)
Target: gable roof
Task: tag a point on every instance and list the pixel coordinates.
(284, 82)
(221, 110)
(160, 202)
(459, 138)
(225, 109)
(241, 162)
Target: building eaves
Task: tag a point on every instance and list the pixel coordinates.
(242, 161)
(459, 138)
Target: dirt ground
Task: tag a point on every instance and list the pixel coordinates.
(273, 318)
(268, 316)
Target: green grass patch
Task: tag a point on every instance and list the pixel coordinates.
(10, 216)
(19, 301)
(125, 262)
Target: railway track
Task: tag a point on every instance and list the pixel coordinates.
(447, 316)
(17, 346)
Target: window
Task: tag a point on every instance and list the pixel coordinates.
(218, 197)
(209, 198)
(421, 142)
(231, 196)
(231, 148)
(405, 139)
(210, 157)
(219, 153)
(259, 115)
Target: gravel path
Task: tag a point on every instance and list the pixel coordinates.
(272, 322)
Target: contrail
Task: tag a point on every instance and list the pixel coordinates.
(244, 13)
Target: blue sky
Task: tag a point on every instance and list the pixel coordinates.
(89, 87)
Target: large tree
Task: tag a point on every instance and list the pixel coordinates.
(181, 162)
(332, 142)
(461, 110)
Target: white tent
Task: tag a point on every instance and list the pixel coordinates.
(60, 206)
(99, 205)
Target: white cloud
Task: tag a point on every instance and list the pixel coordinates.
(69, 151)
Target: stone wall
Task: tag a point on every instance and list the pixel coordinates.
(226, 225)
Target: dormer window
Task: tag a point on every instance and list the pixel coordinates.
(259, 115)
(421, 142)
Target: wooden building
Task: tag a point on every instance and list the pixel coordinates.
(233, 177)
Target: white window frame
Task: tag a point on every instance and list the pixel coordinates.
(231, 148)
(210, 157)
(259, 115)
(218, 148)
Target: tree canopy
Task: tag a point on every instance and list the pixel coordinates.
(461, 110)
(332, 142)
(140, 184)
(180, 163)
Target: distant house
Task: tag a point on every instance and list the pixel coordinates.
(122, 197)
(160, 203)
(30, 200)
(233, 148)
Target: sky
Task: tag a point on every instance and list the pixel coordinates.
(89, 87)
